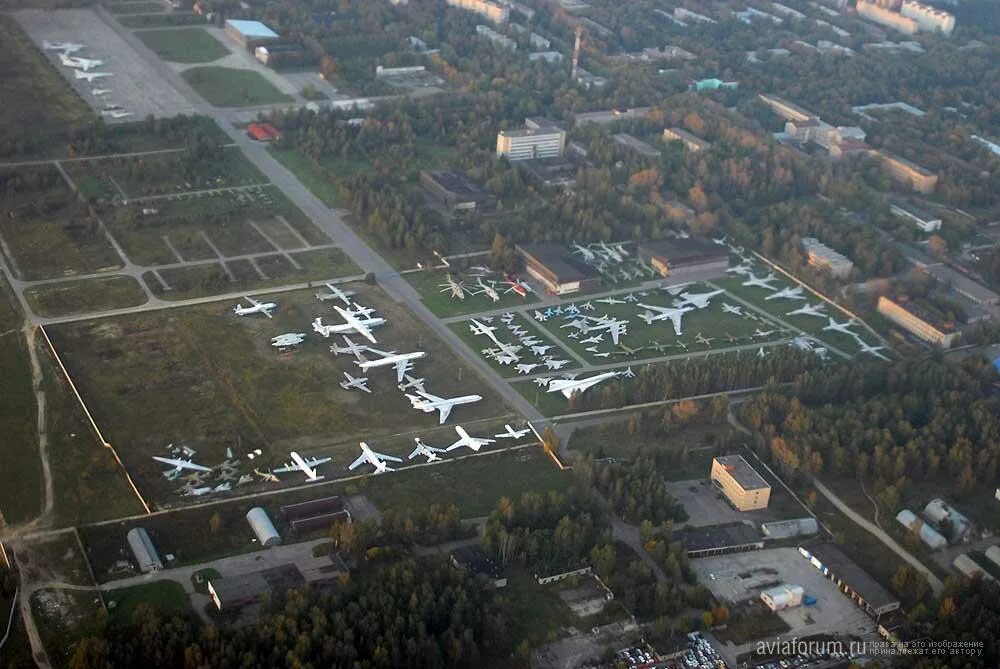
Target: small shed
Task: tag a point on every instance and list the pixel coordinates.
(143, 550)
(262, 526)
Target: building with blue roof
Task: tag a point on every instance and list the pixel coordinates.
(250, 34)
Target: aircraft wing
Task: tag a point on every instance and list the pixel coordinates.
(291, 467)
(383, 456)
(402, 367)
(313, 462)
(361, 460)
(445, 411)
(616, 332)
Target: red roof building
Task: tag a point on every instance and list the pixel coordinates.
(263, 132)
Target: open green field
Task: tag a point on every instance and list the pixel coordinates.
(21, 493)
(228, 87)
(473, 484)
(48, 232)
(429, 285)
(161, 20)
(211, 380)
(67, 298)
(167, 598)
(721, 330)
(699, 443)
(124, 8)
(527, 357)
(46, 105)
(184, 45)
(310, 174)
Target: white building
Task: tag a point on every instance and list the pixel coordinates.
(491, 10)
(931, 537)
(822, 256)
(534, 141)
(930, 19)
(782, 597)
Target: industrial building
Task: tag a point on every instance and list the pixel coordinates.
(970, 568)
(931, 537)
(557, 269)
(922, 219)
(493, 11)
(785, 109)
(262, 527)
(909, 174)
(455, 191)
(955, 526)
(683, 257)
(785, 529)
(821, 256)
(635, 145)
(143, 550)
(315, 515)
(721, 539)
(745, 489)
(497, 38)
(558, 172)
(782, 597)
(690, 142)
(534, 141)
(854, 581)
(918, 323)
(474, 560)
(233, 592)
(285, 54)
(250, 34)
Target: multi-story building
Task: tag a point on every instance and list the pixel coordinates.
(822, 256)
(691, 143)
(930, 19)
(496, 38)
(920, 325)
(491, 10)
(887, 17)
(534, 141)
(785, 109)
(740, 483)
(906, 172)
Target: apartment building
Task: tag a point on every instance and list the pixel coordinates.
(740, 483)
(491, 10)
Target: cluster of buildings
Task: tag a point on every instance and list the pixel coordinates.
(907, 16)
(266, 45)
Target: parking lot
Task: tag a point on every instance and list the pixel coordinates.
(705, 504)
(742, 576)
(134, 86)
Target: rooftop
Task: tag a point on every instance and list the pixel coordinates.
(556, 259)
(857, 578)
(713, 537)
(457, 183)
(251, 28)
(685, 251)
(475, 560)
(742, 472)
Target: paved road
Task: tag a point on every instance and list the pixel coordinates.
(629, 535)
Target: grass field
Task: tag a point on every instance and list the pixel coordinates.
(227, 87)
(184, 45)
(428, 284)
(46, 105)
(311, 176)
(503, 333)
(161, 20)
(125, 8)
(21, 493)
(167, 598)
(84, 296)
(204, 377)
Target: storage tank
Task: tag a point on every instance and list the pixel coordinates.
(970, 568)
(782, 597)
(993, 554)
(262, 526)
(931, 537)
(143, 550)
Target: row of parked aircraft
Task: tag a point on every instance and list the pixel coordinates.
(614, 262)
(83, 71)
(493, 289)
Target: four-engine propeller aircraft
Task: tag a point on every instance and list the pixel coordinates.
(348, 327)
(376, 460)
(255, 308)
(361, 325)
(305, 465)
(335, 294)
(361, 383)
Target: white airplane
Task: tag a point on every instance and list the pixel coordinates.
(539, 316)
(351, 348)
(596, 339)
(117, 113)
(335, 294)
(809, 310)
(91, 76)
(702, 339)
(552, 363)
(811, 345)
(525, 368)
(840, 327)
(872, 350)
(762, 333)
(468, 441)
(489, 291)
(178, 465)
(300, 464)
(730, 309)
(612, 326)
(610, 300)
(478, 328)
(511, 433)
(288, 339)
(401, 361)
(361, 383)
(429, 403)
(456, 288)
(615, 253)
(416, 384)
(760, 281)
(65, 47)
(346, 328)
(628, 373)
(697, 300)
(85, 64)
(569, 387)
(376, 460)
(788, 294)
(97, 92)
(428, 452)
(743, 270)
(673, 314)
(362, 326)
(541, 349)
(255, 308)
(584, 252)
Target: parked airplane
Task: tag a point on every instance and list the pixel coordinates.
(429, 403)
(300, 464)
(428, 452)
(255, 307)
(730, 309)
(416, 384)
(346, 328)
(809, 310)
(456, 288)
(350, 347)
(760, 281)
(872, 350)
(539, 316)
(788, 294)
(762, 333)
(569, 387)
(697, 300)
(178, 465)
(117, 113)
(612, 326)
(361, 325)
(673, 314)
(91, 76)
(625, 349)
(526, 368)
(552, 363)
(610, 300)
(541, 349)
(701, 339)
(584, 252)
(97, 92)
(743, 270)
(511, 433)
(468, 441)
(288, 339)
(377, 460)
(596, 339)
(401, 361)
(335, 294)
(85, 64)
(361, 383)
(628, 373)
(840, 327)
(518, 287)
(65, 47)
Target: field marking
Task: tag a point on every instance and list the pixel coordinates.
(163, 283)
(173, 249)
(260, 272)
(218, 254)
(79, 159)
(291, 228)
(65, 175)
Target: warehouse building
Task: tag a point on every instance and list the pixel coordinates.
(740, 483)
(970, 568)
(683, 257)
(635, 145)
(721, 539)
(474, 560)
(690, 142)
(914, 214)
(250, 34)
(918, 322)
(233, 592)
(143, 550)
(315, 515)
(557, 269)
(262, 527)
(782, 597)
(785, 529)
(455, 191)
(854, 581)
(907, 173)
(931, 537)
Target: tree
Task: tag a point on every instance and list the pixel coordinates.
(215, 523)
